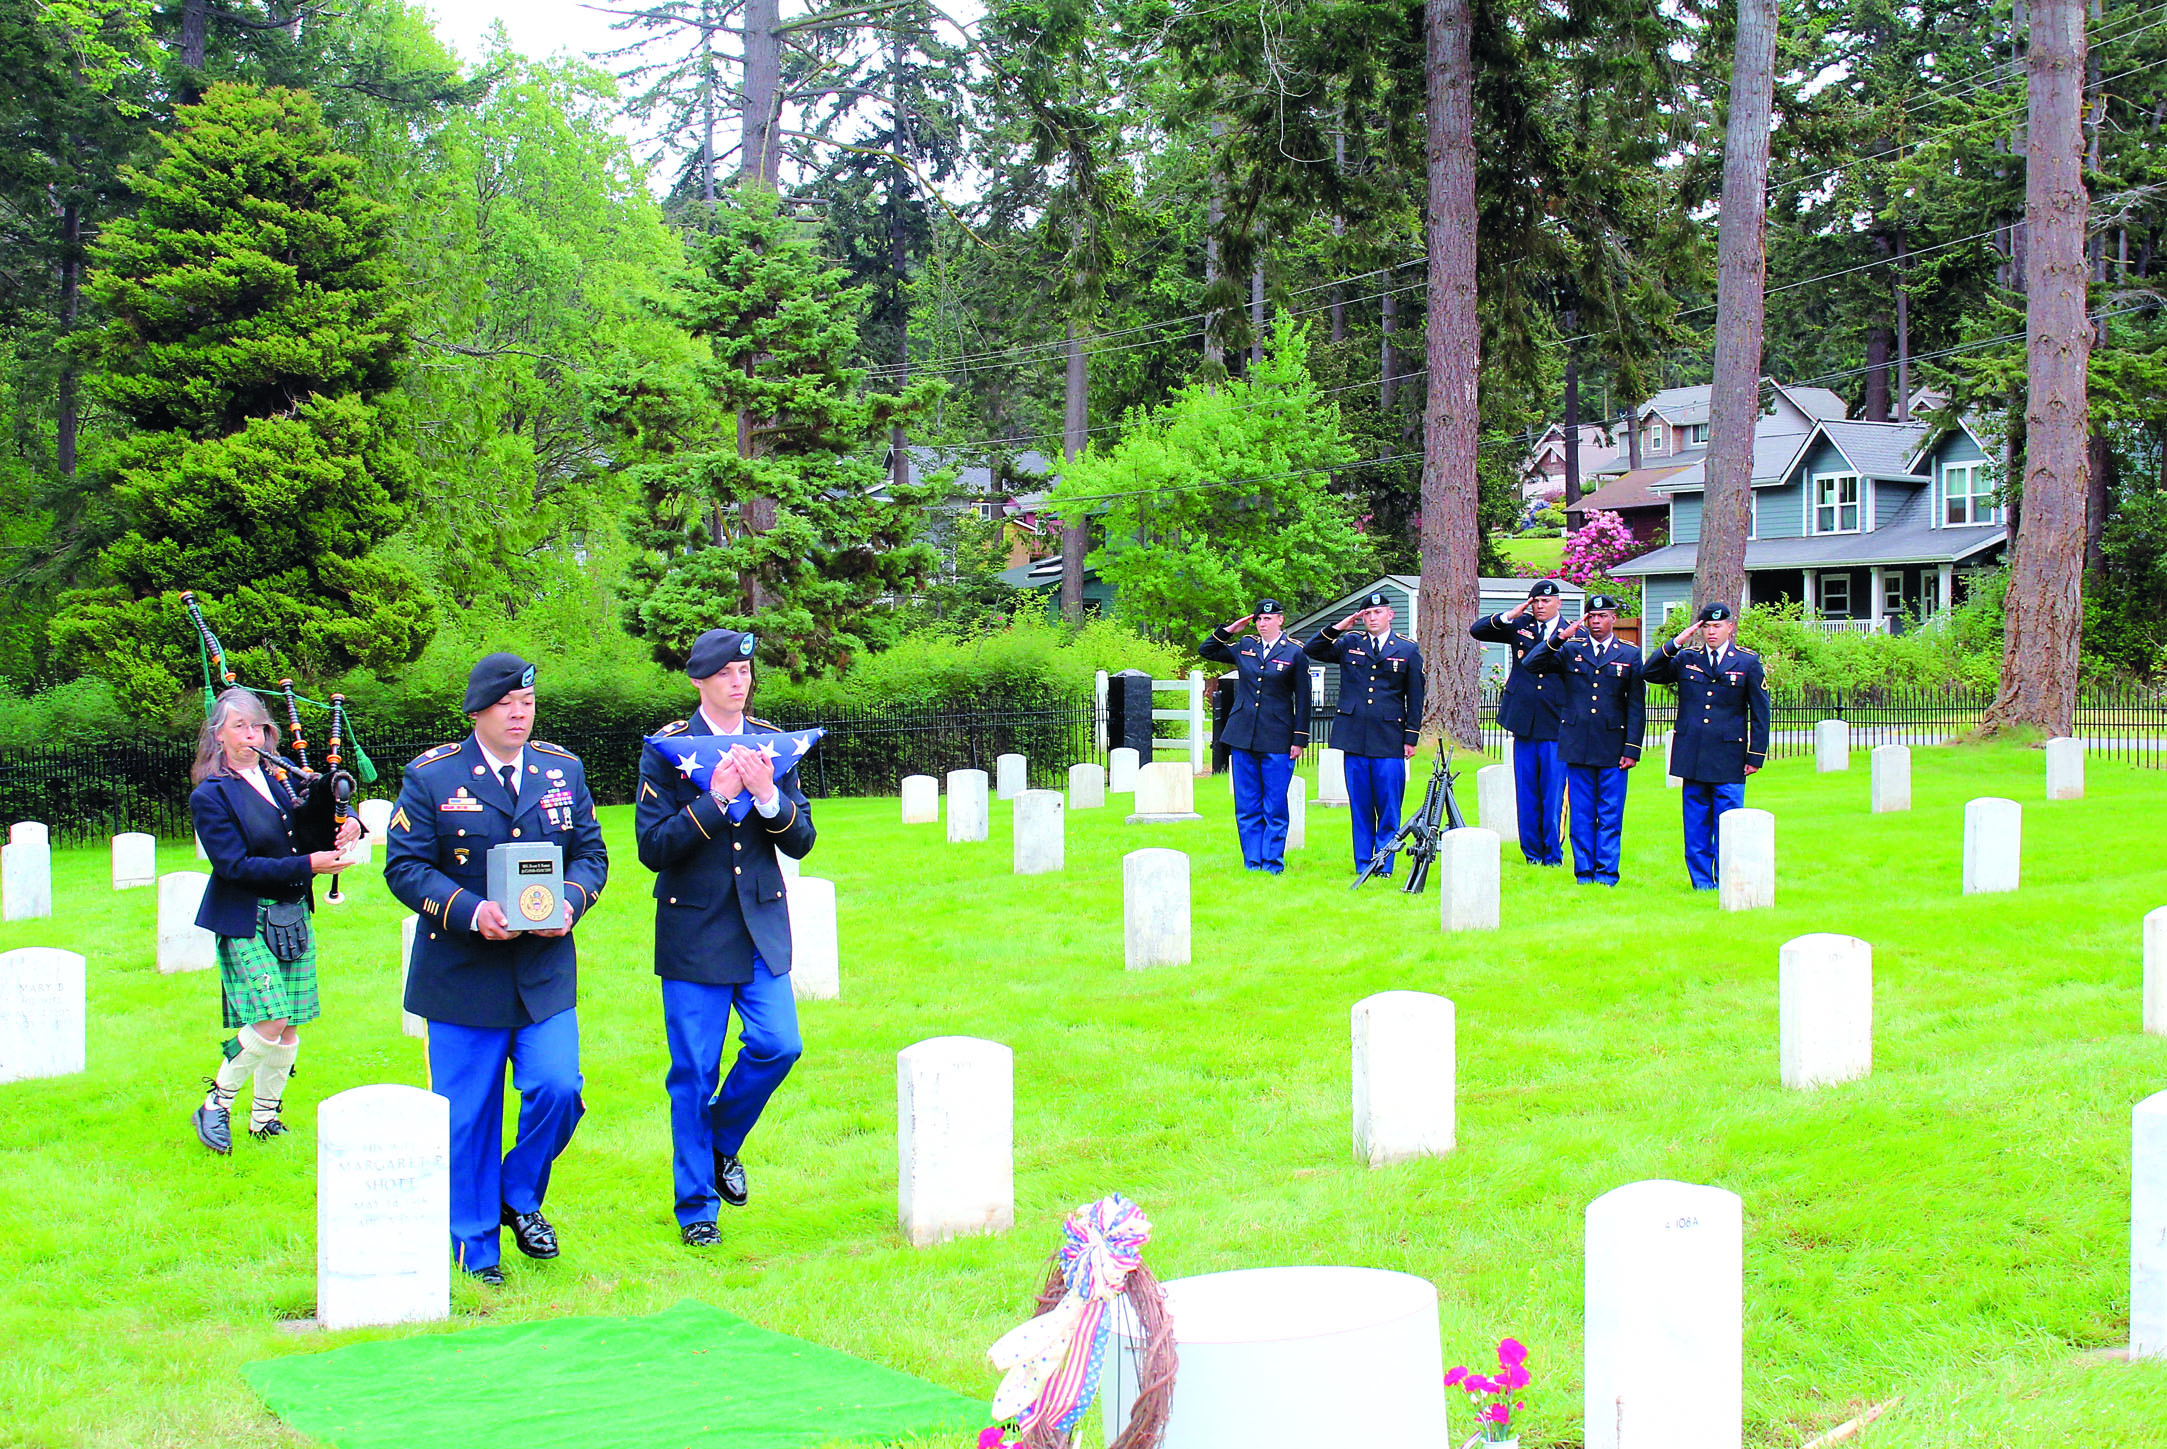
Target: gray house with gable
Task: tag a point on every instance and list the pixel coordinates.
(1871, 526)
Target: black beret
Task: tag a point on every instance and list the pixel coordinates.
(1543, 589)
(1375, 599)
(1267, 606)
(716, 648)
(1600, 601)
(494, 677)
(1709, 613)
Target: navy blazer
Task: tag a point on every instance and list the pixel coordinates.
(258, 851)
(451, 809)
(1604, 708)
(1529, 708)
(1270, 710)
(1722, 711)
(718, 889)
(1380, 691)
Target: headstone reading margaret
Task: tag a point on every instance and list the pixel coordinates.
(135, 860)
(1165, 791)
(1665, 1318)
(26, 880)
(1831, 746)
(1404, 1074)
(1297, 813)
(921, 800)
(1469, 864)
(816, 953)
(970, 814)
(2148, 1228)
(1087, 786)
(955, 1139)
(1122, 767)
(383, 1207)
(1825, 1007)
(182, 944)
(2065, 769)
(1497, 801)
(1011, 776)
(44, 1024)
(1745, 860)
(1891, 778)
(1154, 909)
(1993, 845)
(1332, 778)
(1041, 836)
(409, 1024)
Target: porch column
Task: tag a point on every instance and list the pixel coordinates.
(1879, 610)
(1745, 592)
(1813, 593)
(1948, 587)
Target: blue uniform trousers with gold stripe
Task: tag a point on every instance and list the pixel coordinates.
(466, 1066)
(703, 1119)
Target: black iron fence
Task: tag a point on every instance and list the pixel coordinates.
(90, 791)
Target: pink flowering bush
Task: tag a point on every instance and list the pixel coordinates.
(1598, 544)
(1491, 1394)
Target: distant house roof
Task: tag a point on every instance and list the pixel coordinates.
(1685, 406)
(1774, 452)
(1877, 450)
(1906, 540)
(1814, 402)
(1627, 491)
(973, 474)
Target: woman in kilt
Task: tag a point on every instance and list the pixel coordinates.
(265, 852)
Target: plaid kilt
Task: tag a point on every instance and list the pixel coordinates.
(257, 986)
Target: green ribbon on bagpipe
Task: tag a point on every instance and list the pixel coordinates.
(364, 767)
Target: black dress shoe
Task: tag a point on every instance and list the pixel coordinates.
(532, 1232)
(214, 1128)
(700, 1235)
(730, 1180)
(492, 1275)
(269, 1130)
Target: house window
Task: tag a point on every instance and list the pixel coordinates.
(1655, 438)
(1836, 503)
(1836, 596)
(1697, 434)
(1967, 496)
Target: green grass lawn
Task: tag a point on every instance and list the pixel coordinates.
(1953, 1230)
(1541, 553)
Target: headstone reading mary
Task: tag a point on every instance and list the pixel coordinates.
(43, 1021)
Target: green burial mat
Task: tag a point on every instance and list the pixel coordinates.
(690, 1377)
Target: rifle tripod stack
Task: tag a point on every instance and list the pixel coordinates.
(1423, 836)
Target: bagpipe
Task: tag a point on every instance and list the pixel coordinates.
(290, 771)
(1423, 836)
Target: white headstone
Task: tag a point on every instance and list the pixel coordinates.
(1011, 776)
(24, 832)
(1403, 1077)
(182, 944)
(790, 866)
(1745, 860)
(1165, 790)
(1468, 869)
(26, 880)
(1670, 743)
(2065, 769)
(1087, 786)
(361, 852)
(383, 1205)
(2147, 1228)
(1891, 778)
(1122, 767)
(409, 1024)
(43, 1021)
(1332, 778)
(1041, 832)
(921, 800)
(135, 860)
(375, 818)
(955, 1139)
(1297, 813)
(201, 853)
(970, 814)
(1665, 1318)
(1993, 845)
(2155, 971)
(1497, 801)
(816, 953)
(1154, 909)
(1831, 745)
(1825, 1001)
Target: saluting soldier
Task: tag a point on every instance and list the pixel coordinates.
(722, 932)
(1379, 718)
(1722, 733)
(1528, 711)
(494, 996)
(1266, 729)
(1600, 721)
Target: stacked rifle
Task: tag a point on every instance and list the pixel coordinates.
(1423, 836)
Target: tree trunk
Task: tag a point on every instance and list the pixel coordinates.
(1734, 402)
(1451, 589)
(195, 32)
(1339, 229)
(2043, 612)
(1256, 316)
(899, 261)
(1215, 213)
(1903, 335)
(1076, 528)
(1572, 427)
(68, 423)
(760, 117)
(1632, 439)
(1879, 343)
(707, 105)
(1388, 356)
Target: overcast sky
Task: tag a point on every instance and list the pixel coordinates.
(539, 28)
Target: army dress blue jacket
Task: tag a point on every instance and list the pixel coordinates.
(718, 887)
(1529, 708)
(1380, 691)
(1722, 711)
(1270, 713)
(451, 809)
(1603, 711)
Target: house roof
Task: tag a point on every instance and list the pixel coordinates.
(1627, 490)
(1491, 589)
(1906, 540)
(1774, 452)
(1930, 438)
(975, 477)
(1814, 402)
(1876, 450)
(1684, 406)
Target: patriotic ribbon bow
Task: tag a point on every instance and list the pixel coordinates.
(697, 757)
(1051, 1364)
